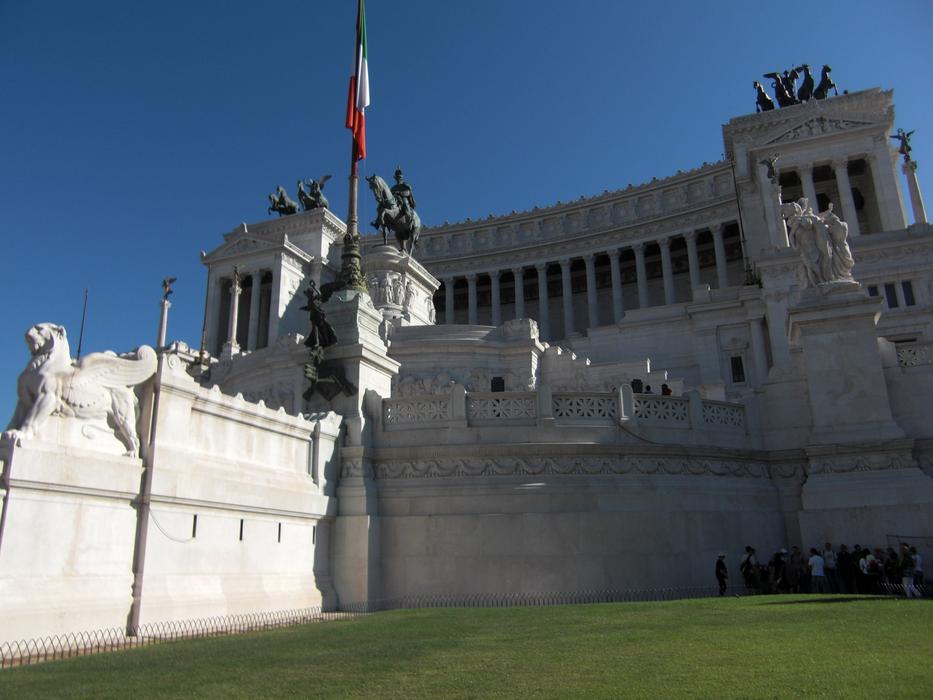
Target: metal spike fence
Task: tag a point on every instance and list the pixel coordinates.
(63, 646)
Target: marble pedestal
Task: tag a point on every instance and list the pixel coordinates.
(834, 325)
(362, 354)
(862, 482)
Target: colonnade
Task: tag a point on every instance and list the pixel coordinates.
(226, 333)
(520, 272)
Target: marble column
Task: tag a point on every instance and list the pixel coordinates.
(253, 335)
(722, 274)
(519, 274)
(275, 302)
(618, 305)
(567, 291)
(809, 189)
(841, 170)
(592, 301)
(641, 272)
(232, 347)
(759, 353)
(211, 330)
(448, 300)
(544, 325)
(496, 298)
(890, 207)
(471, 299)
(666, 270)
(913, 187)
(693, 260)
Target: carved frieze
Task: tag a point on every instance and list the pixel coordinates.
(543, 465)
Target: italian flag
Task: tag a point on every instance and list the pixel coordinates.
(358, 99)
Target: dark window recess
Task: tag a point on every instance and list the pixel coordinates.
(497, 384)
(738, 370)
(822, 202)
(314, 534)
(890, 294)
(280, 532)
(873, 290)
(241, 529)
(908, 290)
(194, 526)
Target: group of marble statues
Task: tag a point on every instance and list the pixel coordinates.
(821, 240)
(786, 91)
(308, 199)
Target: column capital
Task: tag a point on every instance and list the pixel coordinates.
(448, 280)
(805, 167)
(840, 163)
(471, 276)
(613, 253)
(541, 267)
(518, 271)
(494, 274)
(717, 229)
(689, 236)
(564, 263)
(664, 242)
(588, 258)
(639, 247)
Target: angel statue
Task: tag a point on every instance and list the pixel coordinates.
(904, 137)
(313, 198)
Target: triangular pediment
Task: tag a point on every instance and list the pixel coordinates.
(242, 245)
(815, 127)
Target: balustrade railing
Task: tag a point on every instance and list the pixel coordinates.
(459, 408)
(662, 409)
(587, 405)
(496, 406)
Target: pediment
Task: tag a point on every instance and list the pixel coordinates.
(243, 245)
(815, 127)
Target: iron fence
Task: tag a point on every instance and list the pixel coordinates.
(63, 646)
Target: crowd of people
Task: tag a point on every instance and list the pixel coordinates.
(828, 570)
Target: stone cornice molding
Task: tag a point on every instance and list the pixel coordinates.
(713, 219)
(869, 107)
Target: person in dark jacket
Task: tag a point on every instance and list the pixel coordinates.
(722, 573)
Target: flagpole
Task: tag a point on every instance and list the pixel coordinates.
(351, 273)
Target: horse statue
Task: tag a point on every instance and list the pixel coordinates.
(313, 197)
(390, 216)
(805, 93)
(763, 101)
(280, 202)
(826, 82)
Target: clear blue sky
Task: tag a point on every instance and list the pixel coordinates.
(133, 135)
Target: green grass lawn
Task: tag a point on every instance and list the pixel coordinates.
(762, 647)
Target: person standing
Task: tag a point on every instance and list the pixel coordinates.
(817, 572)
(722, 573)
(918, 569)
(907, 572)
(749, 569)
(829, 567)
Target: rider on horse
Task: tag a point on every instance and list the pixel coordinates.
(403, 194)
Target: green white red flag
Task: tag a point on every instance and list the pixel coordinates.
(358, 99)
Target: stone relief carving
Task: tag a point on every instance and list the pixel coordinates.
(817, 127)
(447, 467)
(95, 387)
(844, 464)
